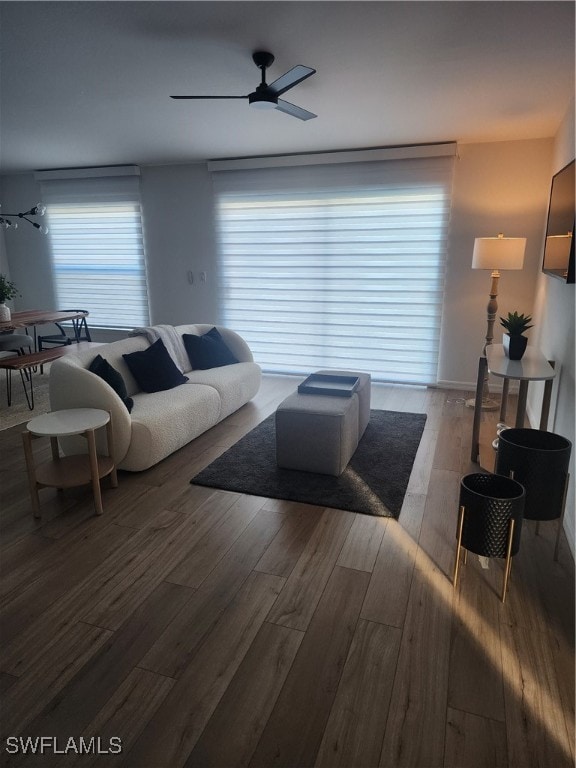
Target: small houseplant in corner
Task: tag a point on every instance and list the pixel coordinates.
(7, 291)
(514, 342)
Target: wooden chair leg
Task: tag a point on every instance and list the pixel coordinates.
(458, 546)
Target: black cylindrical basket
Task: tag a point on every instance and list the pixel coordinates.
(490, 502)
(539, 460)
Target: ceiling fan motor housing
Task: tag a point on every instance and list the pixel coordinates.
(263, 99)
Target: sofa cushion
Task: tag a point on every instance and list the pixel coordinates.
(113, 353)
(235, 343)
(154, 369)
(208, 351)
(111, 376)
(235, 384)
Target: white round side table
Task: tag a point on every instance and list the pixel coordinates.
(69, 471)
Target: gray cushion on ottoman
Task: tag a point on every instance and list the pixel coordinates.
(315, 433)
(363, 392)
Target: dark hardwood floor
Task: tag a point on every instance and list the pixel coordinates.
(206, 628)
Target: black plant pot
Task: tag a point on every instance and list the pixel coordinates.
(514, 346)
(490, 520)
(539, 461)
(490, 502)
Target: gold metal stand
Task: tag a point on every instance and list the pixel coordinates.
(507, 564)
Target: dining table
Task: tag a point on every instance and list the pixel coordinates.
(30, 318)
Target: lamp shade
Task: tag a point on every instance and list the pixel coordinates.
(498, 252)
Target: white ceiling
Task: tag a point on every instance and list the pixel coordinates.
(87, 83)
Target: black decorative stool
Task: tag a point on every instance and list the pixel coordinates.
(490, 519)
(539, 460)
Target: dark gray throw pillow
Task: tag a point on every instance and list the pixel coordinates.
(154, 369)
(111, 376)
(208, 351)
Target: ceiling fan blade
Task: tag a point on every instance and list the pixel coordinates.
(292, 109)
(208, 97)
(290, 79)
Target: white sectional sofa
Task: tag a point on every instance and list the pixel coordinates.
(160, 422)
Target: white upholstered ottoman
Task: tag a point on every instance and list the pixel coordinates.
(319, 433)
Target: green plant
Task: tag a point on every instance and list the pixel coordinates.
(516, 324)
(7, 289)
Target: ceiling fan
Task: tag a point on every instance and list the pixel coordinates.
(266, 96)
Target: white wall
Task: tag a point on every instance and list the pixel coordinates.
(554, 310)
(28, 251)
(498, 187)
(178, 216)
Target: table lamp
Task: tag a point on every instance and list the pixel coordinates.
(496, 253)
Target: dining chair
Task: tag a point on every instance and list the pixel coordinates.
(79, 329)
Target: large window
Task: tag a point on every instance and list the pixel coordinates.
(339, 266)
(95, 231)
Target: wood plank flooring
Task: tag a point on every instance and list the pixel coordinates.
(208, 629)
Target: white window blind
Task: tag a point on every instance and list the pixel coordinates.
(95, 231)
(337, 266)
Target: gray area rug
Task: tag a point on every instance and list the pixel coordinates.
(374, 482)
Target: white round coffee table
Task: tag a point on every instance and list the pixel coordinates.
(69, 471)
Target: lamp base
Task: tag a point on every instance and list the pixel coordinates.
(487, 404)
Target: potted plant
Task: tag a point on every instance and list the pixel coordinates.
(514, 342)
(7, 291)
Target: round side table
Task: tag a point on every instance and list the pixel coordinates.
(69, 471)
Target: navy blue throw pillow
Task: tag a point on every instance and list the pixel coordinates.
(208, 351)
(111, 376)
(154, 369)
